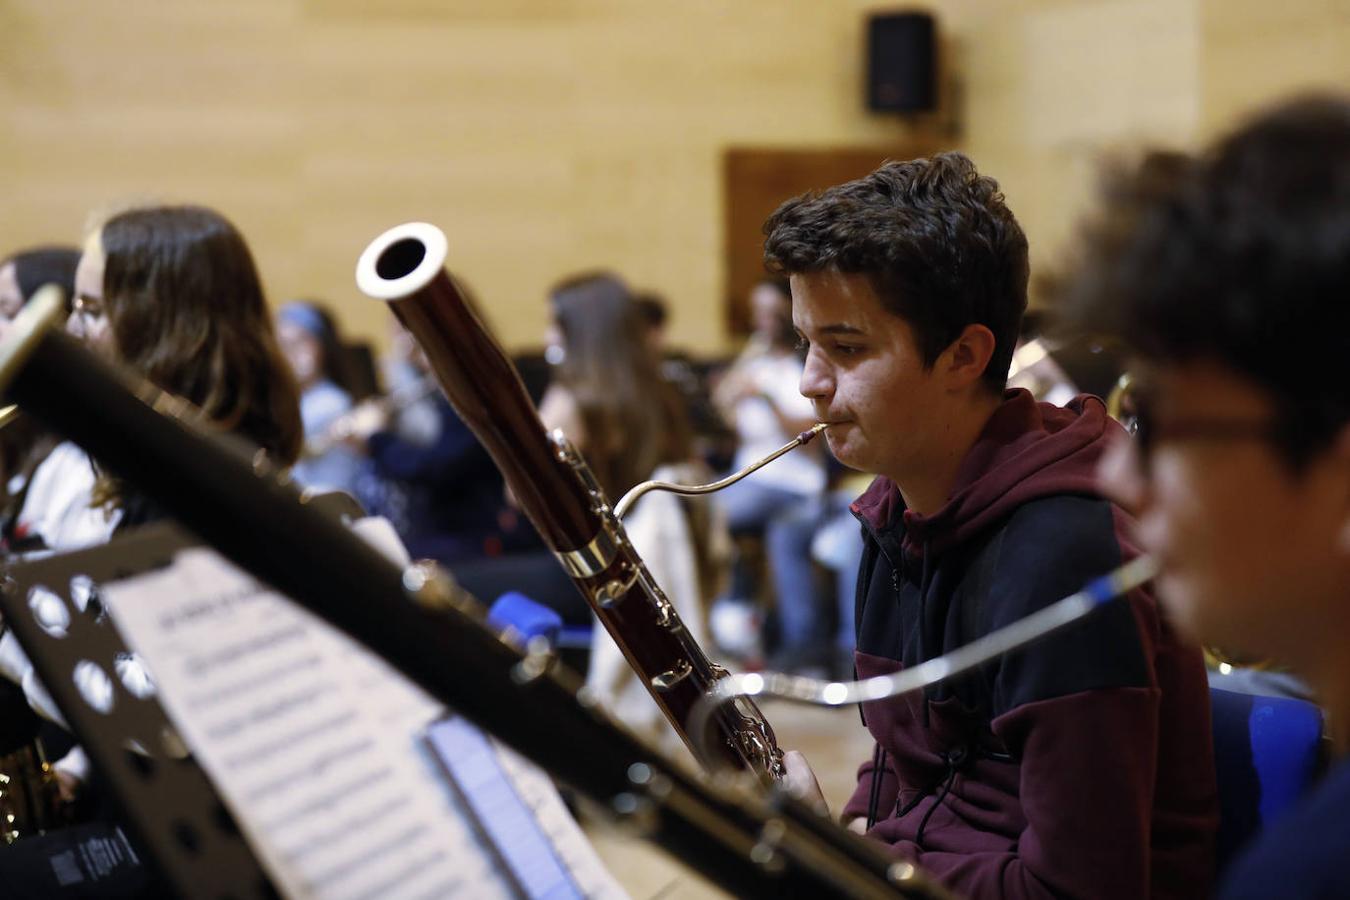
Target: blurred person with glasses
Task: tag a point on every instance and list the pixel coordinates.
(1228, 275)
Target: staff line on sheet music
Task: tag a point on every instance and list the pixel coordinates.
(254, 644)
(330, 799)
(263, 712)
(243, 759)
(352, 863)
(215, 605)
(414, 868)
(218, 696)
(318, 764)
(354, 824)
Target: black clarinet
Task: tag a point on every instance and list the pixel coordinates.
(430, 630)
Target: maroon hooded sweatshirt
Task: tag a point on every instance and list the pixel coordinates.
(1081, 766)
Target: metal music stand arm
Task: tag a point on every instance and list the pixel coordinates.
(168, 801)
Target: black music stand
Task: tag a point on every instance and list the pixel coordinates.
(168, 801)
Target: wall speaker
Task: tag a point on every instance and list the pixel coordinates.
(901, 62)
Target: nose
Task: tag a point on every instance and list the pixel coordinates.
(1121, 477)
(817, 381)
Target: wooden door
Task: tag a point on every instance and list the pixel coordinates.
(756, 180)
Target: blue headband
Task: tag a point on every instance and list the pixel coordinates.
(305, 316)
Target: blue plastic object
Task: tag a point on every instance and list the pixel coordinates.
(575, 637)
(526, 617)
(504, 816)
(1267, 751)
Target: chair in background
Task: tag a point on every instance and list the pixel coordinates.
(1267, 751)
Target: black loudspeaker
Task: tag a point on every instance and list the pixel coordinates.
(901, 62)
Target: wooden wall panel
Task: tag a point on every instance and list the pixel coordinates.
(755, 181)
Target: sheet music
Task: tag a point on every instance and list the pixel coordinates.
(573, 849)
(314, 742)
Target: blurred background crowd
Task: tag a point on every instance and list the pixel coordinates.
(199, 177)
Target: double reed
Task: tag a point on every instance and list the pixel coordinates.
(406, 267)
(431, 631)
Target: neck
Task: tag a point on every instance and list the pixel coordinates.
(927, 486)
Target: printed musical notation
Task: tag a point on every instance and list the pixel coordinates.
(520, 812)
(315, 743)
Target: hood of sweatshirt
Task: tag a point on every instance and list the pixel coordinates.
(1027, 450)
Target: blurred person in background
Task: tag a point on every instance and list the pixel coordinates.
(758, 397)
(607, 394)
(426, 472)
(815, 619)
(309, 339)
(1228, 274)
(172, 294)
(652, 311)
(714, 441)
(22, 273)
(23, 444)
(25, 740)
(608, 397)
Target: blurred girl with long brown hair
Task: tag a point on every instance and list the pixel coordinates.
(172, 293)
(609, 398)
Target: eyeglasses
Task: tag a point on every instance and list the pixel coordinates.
(1149, 432)
(87, 307)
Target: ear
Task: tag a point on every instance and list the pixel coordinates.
(965, 359)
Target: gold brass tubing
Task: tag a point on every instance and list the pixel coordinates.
(689, 490)
(44, 311)
(1115, 401)
(8, 414)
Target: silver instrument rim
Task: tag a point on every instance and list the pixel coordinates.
(821, 692)
(434, 250)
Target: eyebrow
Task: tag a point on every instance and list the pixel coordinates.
(841, 328)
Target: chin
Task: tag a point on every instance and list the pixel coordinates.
(841, 450)
(1199, 614)
(1183, 610)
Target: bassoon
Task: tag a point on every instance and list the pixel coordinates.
(550, 480)
(431, 631)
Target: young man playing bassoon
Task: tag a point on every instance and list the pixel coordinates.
(1082, 766)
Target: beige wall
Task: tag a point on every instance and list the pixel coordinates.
(550, 135)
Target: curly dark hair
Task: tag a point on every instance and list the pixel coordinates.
(935, 240)
(1239, 256)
